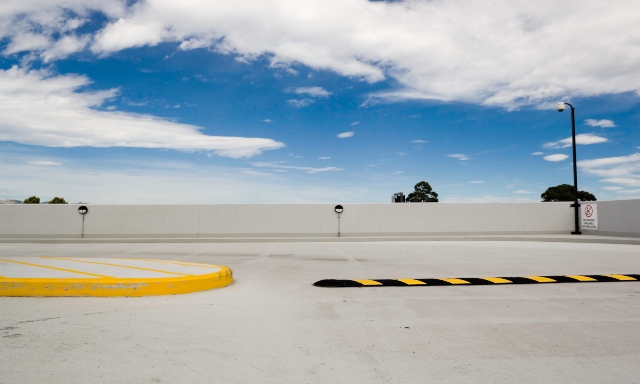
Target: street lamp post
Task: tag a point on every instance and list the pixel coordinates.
(575, 204)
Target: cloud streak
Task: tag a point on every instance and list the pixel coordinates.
(604, 123)
(556, 157)
(344, 135)
(297, 168)
(582, 139)
(311, 91)
(459, 156)
(621, 170)
(300, 103)
(37, 108)
(44, 162)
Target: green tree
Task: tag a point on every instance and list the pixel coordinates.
(422, 193)
(58, 200)
(32, 200)
(564, 192)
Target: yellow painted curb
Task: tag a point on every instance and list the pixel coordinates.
(113, 287)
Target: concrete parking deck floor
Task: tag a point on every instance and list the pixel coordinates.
(272, 326)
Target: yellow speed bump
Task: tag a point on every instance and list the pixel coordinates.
(71, 276)
(406, 282)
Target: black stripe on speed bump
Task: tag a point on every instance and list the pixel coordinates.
(332, 283)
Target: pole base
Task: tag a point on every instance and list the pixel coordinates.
(576, 233)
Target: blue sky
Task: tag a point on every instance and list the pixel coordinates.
(316, 101)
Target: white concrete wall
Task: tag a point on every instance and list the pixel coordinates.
(40, 220)
(618, 218)
(141, 221)
(290, 220)
(460, 218)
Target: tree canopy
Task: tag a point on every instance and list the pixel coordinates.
(422, 193)
(58, 200)
(32, 200)
(564, 192)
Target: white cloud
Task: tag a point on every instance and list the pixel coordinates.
(622, 170)
(190, 44)
(522, 192)
(65, 46)
(476, 182)
(311, 91)
(557, 157)
(538, 153)
(616, 167)
(268, 121)
(623, 180)
(459, 156)
(354, 123)
(513, 53)
(610, 161)
(584, 139)
(306, 169)
(44, 162)
(402, 154)
(27, 42)
(604, 123)
(346, 134)
(48, 28)
(419, 141)
(612, 188)
(300, 103)
(37, 108)
(324, 158)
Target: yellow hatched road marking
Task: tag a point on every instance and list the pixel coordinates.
(368, 282)
(497, 280)
(111, 287)
(581, 278)
(57, 269)
(541, 279)
(455, 281)
(117, 265)
(412, 281)
(620, 277)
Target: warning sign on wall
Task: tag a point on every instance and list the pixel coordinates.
(589, 214)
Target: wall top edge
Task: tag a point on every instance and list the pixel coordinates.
(288, 204)
(311, 204)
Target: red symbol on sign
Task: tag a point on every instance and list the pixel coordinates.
(588, 210)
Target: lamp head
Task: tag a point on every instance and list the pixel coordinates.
(560, 107)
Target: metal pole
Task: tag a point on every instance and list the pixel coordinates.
(575, 204)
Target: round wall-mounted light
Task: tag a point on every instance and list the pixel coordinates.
(339, 208)
(83, 210)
